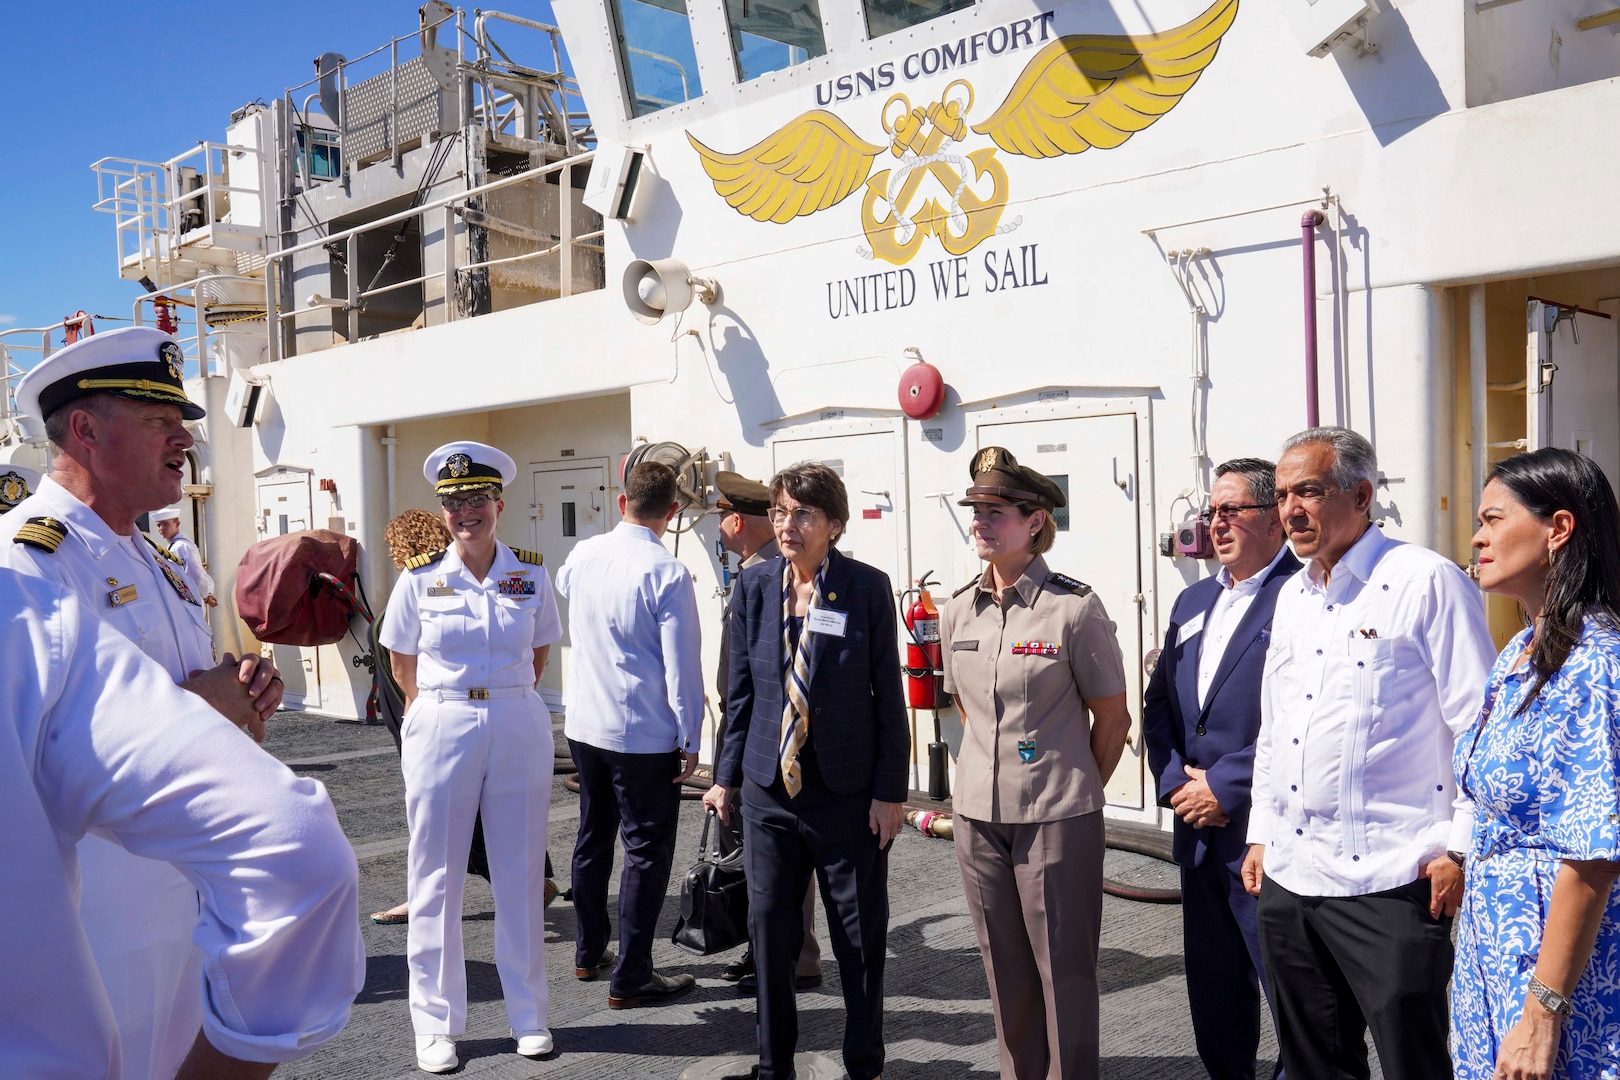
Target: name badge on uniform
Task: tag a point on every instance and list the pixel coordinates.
(826, 621)
(1035, 648)
(441, 590)
(120, 597)
(1026, 750)
(965, 646)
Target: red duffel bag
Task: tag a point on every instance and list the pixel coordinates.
(284, 592)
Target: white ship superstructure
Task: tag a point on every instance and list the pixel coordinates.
(1132, 240)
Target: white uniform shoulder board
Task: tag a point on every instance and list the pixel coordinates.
(44, 533)
(163, 552)
(1069, 584)
(533, 558)
(427, 558)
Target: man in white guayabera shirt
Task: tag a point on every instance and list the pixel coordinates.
(1378, 657)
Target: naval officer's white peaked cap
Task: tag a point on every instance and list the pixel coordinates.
(136, 362)
(466, 466)
(168, 514)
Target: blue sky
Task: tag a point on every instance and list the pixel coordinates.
(147, 81)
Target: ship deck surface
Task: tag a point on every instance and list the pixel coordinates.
(938, 1022)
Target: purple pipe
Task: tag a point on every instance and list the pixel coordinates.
(1308, 224)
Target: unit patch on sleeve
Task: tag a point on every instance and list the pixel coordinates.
(44, 533)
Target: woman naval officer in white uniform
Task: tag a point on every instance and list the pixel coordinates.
(469, 629)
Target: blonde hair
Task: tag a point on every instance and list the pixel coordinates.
(415, 532)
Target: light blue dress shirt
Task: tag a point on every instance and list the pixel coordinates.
(635, 679)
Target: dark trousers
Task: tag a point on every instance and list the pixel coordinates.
(1220, 936)
(1341, 964)
(634, 796)
(833, 841)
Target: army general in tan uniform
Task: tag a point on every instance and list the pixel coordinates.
(1036, 669)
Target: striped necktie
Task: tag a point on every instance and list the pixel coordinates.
(797, 671)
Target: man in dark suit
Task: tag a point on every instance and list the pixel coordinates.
(1200, 717)
(818, 743)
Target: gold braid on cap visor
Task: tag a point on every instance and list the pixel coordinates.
(466, 483)
(146, 387)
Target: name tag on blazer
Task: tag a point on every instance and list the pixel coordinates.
(826, 621)
(1187, 630)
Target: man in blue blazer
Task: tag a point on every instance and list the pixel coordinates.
(1200, 718)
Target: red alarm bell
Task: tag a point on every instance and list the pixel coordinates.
(922, 390)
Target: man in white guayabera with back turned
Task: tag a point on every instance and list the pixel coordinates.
(114, 408)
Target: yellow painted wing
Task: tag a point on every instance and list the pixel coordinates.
(1099, 90)
(812, 162)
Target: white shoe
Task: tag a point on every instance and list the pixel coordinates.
(534, 1044)
(436, 1053)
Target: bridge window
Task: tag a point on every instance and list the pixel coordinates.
(656, 54)
(769, 35)
(887, 16)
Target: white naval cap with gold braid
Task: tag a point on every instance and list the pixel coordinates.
(135, 362)
(467, 466)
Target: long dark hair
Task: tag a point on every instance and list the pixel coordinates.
(1584, 581)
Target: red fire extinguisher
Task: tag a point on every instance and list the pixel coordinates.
(924, 677)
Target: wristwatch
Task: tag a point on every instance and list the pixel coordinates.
(1550, 999)
(1458, 858)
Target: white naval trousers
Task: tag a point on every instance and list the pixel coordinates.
(460, 757)
(140, 916)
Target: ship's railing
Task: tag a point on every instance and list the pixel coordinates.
(158, 207)
(379, 104)
(214, 321)
(33, 344)
(453, 214)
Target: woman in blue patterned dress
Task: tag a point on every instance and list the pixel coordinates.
(1536, 987)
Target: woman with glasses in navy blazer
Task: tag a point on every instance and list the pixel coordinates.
(821, 753)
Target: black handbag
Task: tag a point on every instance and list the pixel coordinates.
(714, 900)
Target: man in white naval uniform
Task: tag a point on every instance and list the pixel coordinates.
(167, 524)
(113, 406)
(277, 878)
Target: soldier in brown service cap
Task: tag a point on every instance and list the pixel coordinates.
(1031, 655)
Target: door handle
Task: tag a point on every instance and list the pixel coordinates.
(1125, 484)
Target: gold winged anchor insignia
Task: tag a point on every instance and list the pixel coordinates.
(1080, 91)
(1086, 90)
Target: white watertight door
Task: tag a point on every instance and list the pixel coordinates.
(570, 504)
(867, 464)
(1093, 459)
(285, 507)
(1573, 383)
(284, 504)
